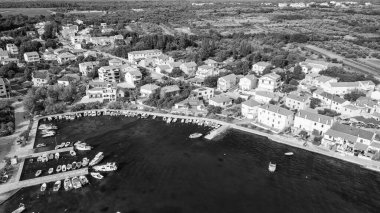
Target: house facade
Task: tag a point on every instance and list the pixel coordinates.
(31, 57)
(133, 77)
(203, 92)
(248, 83)
(264, 97)
(269, 82)
(12, 49)
(5, 88)
(206, 71)
(222, 101)
(40, 78)
(341, 88)
(101, 91)
(189, 68)
(259, 67)
(172, 90)
(226, 82)
(138, 55)
(297, 102)
(148, 89)
(87, 67)
(66, 57)
(275, 117)
(109, 74)
(312, 121)
(249, 108)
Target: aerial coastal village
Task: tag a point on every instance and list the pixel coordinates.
(279, 80)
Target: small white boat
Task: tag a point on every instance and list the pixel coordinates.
(85, 161)
(76, 183)
(41, 145)
(57, 186)
(56, 155)
(289, 153)
(67, 144)
(97, 175)
(20, 208)
(83, 147)
(51, 156)
(73, 153)
(63, 168)
(83, 180)
(79, 164)
(106, 167)
(38, 173)
(272, 167)
(59, 167)
(51, 170)
(67, 184)
(68, 167)
(98, 157)
(195, 135)
(43, 187)
(74, 165)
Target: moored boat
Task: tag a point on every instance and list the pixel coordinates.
(76, 183)
(79, 164)
(59, 167)
(195, 135)
(272, 167)
(56, 155)
(38, 173)
(69, 166)
(20, 208)
(97, 175)
(73, 153)
(289, 153)
(67, 184)
(83, 147)
(98, 157)
(50, 171)
(106, 167)
(43, 187)
(67, 144)
(83, 180)
(74, 165)
(57, 186)
(63, 168)
(85, 161)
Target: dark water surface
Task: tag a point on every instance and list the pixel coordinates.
(162, 171)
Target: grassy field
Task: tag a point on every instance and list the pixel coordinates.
(25, 11)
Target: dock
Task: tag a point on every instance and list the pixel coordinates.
(4, 188)
(217, 132)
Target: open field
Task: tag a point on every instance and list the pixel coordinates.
(26, 11)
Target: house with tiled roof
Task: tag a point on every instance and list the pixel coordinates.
(311, 121)
(248, 83)
(264, 97)
(260, 66)
(297, 102)
(341, 88)
(133, 76)
(87, 67)
(172, 90)
(134, 56)
(206, 71)
(66, 57)
(163, 68)
(323, 81)
(100, 91)
(115, 62)
(65, 80)
(227, 82)
(347, 138)
(366, 105)
(204, 93)
(5, 88)
(189, 68)
(275, 117)
(212, 63)
(331, 101)
(148, 89)
(40, 78)
(269, 82)
(350, 110)
(220, 101)
(163, 59)
(31, 57)
(190, 106)
(249, 108)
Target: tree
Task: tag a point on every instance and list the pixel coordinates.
(238, 100)
(328, 112)
(211, 81)
(214, 109)
(315, 102)
(354, 95)
(286, 88)
(176, 72)
(293, 82)
(267, 70)
(51, 43)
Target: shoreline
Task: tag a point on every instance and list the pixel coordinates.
(286, 140)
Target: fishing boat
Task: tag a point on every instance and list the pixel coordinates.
(195, 135)
(63, 168)
(98, 157)
(68, 167)
(43, 187)
(67, 144)
(57, 186)
(83, 147)
(97, 175)
(76, 183)
(83, 180)
(59, 167)
(38, 173)
(20, 208)
(289, 153)
(79, 164)
(73, 153)
(85, 161)
(56, 156)
(74, 165)
(51, 156)
(272, 167)
(41, 145)
(67, 184)
(50, 171)
(63, 144)
(106, 167)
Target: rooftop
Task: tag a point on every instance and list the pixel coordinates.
(263, 64)
(349, 132)
(42, 74)
(298, 97)
(315, 117)
(220, 98)
(150, 87)
(277, 109)
(251, 103)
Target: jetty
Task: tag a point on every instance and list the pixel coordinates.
(4, 188)
(217, 132)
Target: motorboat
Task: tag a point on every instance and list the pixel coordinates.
(59, 167)
(272, 167)
(68, 166)
(50, 171)
(63, 144)
(67, 184)
(289, 153)
(67, 144)
(83, 180)
(98, 157)
(51, 156)
(97, 175)
(79, 164)
(47, 127)
(74, 165)
(85, 161)
(73, 153)
(195, 135)
(43, 187)
(106, 167)
(20, 208)
(76, 183)
(63, 168)
(56, 156)
(41, 145)
(38, 173)
(83, 147)
(57, 186)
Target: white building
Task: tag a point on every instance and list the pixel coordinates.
(163, 59)
(133, 77)
(189, 68)
(115, 62)
(87, 67)
(66, 57)
(315, 66)
(259, 67)
(31, 57)
(101, 91)
(248, 83)
(137, 55)
(249, 108)
(275, 117)
(148, 89)
(297, 102)
(341, 88)
(109, 74)
(5, 88)
(9, 60)
(206, 71)
(3, 55)
(269, 82)
(12, 49)
(312, 121)
(227, 82)
(40, 78)
(220, 101)
(331, 101)
(264, 97)
(203, 92)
